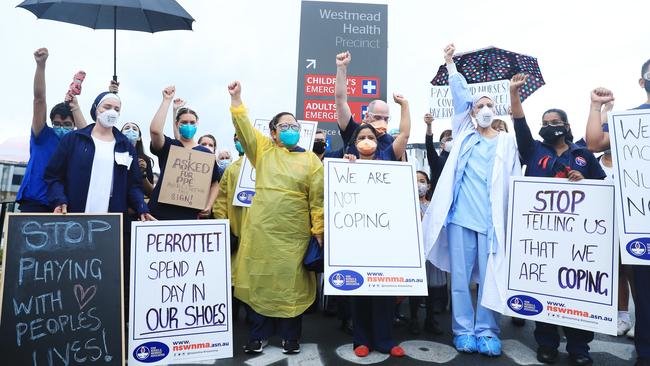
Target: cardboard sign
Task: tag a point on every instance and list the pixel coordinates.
(562, 253)
(629, 133)
(373, 236)
(245, 188)
(180, 292)
(62, 290)
(441, 106)
(187, 178)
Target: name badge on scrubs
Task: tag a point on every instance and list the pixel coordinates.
(123, 158)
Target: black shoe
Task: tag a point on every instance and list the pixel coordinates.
(518, 322)
(290, 347)
(581, 360)
(640, 362)
(414, 327)
(547, 355)
(432, 326)
(255, 346)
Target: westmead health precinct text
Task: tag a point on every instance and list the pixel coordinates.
(354, 29)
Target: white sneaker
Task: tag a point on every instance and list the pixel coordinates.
(624, 326)
(630, 333)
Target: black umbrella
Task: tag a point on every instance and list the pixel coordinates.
(136, 15)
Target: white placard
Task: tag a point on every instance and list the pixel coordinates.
(630, 140)
(440, 101)
(562, 253)
(373, 236)
(180, 292)
(245, 188)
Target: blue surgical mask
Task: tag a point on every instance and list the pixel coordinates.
(132, 135)
(61, 131)
(223, 163)
(289, 137)
(239, 148)
(187, 131)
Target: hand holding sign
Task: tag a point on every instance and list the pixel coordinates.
(428, 118)
(61, 209)
(449, 53)
(343, 59)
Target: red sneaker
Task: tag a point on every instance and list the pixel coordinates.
(397, 351)
(363, 351)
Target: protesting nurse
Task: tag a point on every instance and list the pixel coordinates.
(464, 231)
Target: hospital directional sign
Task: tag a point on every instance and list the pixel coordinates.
(329, 28)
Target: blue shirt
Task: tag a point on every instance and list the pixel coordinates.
(382, 142)
(164, 211)
(471, 206)
(541, 159)
(41, 149)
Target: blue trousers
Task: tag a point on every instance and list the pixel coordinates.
(263, 327)
(577, 340)
(642, 304)
(372, 322)
(468, 249)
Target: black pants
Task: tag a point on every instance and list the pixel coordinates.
(263, 327)
(577, 340)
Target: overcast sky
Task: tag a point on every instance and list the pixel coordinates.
(579, 45)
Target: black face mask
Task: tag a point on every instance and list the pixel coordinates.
(646, 85)
(319, 147)
(552, 134)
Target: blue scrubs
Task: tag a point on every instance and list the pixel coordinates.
(470, 234)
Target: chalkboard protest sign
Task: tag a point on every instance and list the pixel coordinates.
(630, 139)
(188, 177)
(562, 253)
(373, 236)
(180, 292)
(245, 188)
(62, 290)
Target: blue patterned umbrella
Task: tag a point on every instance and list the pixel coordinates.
(491, 64)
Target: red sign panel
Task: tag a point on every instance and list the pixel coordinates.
(358, 86)
(325, 110)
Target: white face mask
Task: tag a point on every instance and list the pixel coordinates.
(108, 118)
(484, 117)
(448, 145)
(422, 189)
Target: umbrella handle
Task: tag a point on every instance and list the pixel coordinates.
(115, 43)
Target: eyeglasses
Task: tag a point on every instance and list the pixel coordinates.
(63, 124)
(378, 117)
(555, 123)
(285, 127)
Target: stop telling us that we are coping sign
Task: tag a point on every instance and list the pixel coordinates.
(62, 290)
(562, 253)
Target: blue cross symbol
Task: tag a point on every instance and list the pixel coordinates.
(369, 86)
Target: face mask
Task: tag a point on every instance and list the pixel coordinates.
(223, 163)
(289, 138)
(132, 135)
(484, 117)
(187, 131)
(422, 189)
(646, 85)
(319, 147)
(61, 131)
(448, 145)
(367, 147)
(108, 118)
(239, 148)
(552, 134)
(381, 126)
